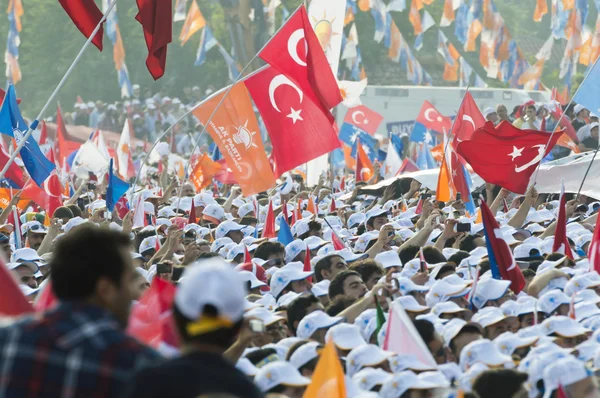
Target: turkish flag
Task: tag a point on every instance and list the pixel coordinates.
(300, 129)
(364, 118)
(432, 119)
(505, 155)
(502, 263)
(225, 175)
(151, 320)
(468, 119)
(234, 129)
(364, 167)
(49, 197)
(86, 16)
(457, 175)
(157, 21)
(13, 302)
(310, 72)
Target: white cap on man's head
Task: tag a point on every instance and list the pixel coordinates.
(213, 213)
(448, 307)
(483, 351)
(314, 321)
(284, 276)
(248, 276)
(389, 259)
(305, 353)
(410, 304)
(34, 226)
(279, 373)
(508, 342)
(26, 255)
(214, 283)
(363, 356)
(293, 249)
(406, 285)
(227, 226)
(73, 222)
(402, 382)
(489, 316)
(345, 336)
(564, 372)
(489, 289)
(369, 378)
(563, 326)
(551, 300)
(442, 291)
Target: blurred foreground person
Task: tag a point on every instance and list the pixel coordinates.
(208, 312)
(77, 349)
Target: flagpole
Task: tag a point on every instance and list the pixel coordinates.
(586, 173)
(558, 124)
(62, 82)
(227, 91)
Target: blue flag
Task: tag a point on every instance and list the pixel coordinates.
(13, 125)
(588, 94)
(116, 188)
(207, 41)
(419, 133)
(284, 236)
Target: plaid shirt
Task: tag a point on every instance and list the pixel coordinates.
(75, 350)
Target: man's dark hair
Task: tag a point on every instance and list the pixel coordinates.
(499, 383)
(484, 266)
(408, 253)
(467, 329)
(557, 256)
(63, 212)
(321, 265)
(468, 243)
(336, 287)
(294, 347)
(75, 210)
(366, 268)
(426, 330)
(296, 310)
(81, 259)
(266, 249)
(208, 255)
(258, 355)
(248, 220)
(339, 304)
(433, 255)
(457, 257)
(528, 273)
(222, 337)
(313, 226)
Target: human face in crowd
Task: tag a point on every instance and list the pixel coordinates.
(437, 349)
(188, 190)
(5, 247)
(117, 297)
(492, 117)
(300, 286)
(461, 301)
(139, 286)
(25, 276)
(35, 240)
(512, 323)
(530, 113)
(236, 236)
(378, 222)
(277, 331)
(338, 264)
(495, 330)
(570, 342)
(594, 133)
(464, 315)
(461, 341)
(528, 319)
(373, 279)
(502, 112)
(354, 287)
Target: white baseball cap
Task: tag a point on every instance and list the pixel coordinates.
(364, 356)
(320, 289)
(364, 240)
(551, 300)
(345, 336)
(227, 226)
(246, 367)
(266, 316)
(284, 276)
(369, 378)
(355, 220)
(35, 226)
(279, 373)
(448, 307)
(72, 223)
(564, 372)
(293, 249)
(563, 326)
(305, 353)
(210, 282)
(410, 304)
(406, 285)
(442, 291)
(389, 259)
(400, 363)
(375, 212)
(248, 276)
(314, 242)
(348, 255)
(213, 213)
(401, 382)
(245, 209)
(582, 282)
(314, 321)
(508, 342)
(489, 316)
(485, 352)
(451, 329)
(26, 255)
(489, 289)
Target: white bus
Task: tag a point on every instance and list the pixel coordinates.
(403, 103)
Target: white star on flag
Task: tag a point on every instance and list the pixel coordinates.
(516, 152)
(295, 115)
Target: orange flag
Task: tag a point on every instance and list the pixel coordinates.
(234, 129)
(442, 193)
(204, 170)
(541, 9)
(328, 378)
(364, 167)
(193, 23)
(311, 205)
(567, 142)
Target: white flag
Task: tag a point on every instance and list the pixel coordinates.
(392, 162)
(91, 158)
(123, 150)
(327, 19)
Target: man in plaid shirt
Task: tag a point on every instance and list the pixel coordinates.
(79, 348)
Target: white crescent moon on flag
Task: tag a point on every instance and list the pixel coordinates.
(469, 119)
(293, 41)
(47, 189)
(282, 80)
(426, 114)
(357, 113)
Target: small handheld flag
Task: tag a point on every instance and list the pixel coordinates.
(116, 188)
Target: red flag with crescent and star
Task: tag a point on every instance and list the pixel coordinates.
(468, 119)
(432, 119)
(295, 52)
(300, 129)
(364, 118)
(505, 155)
